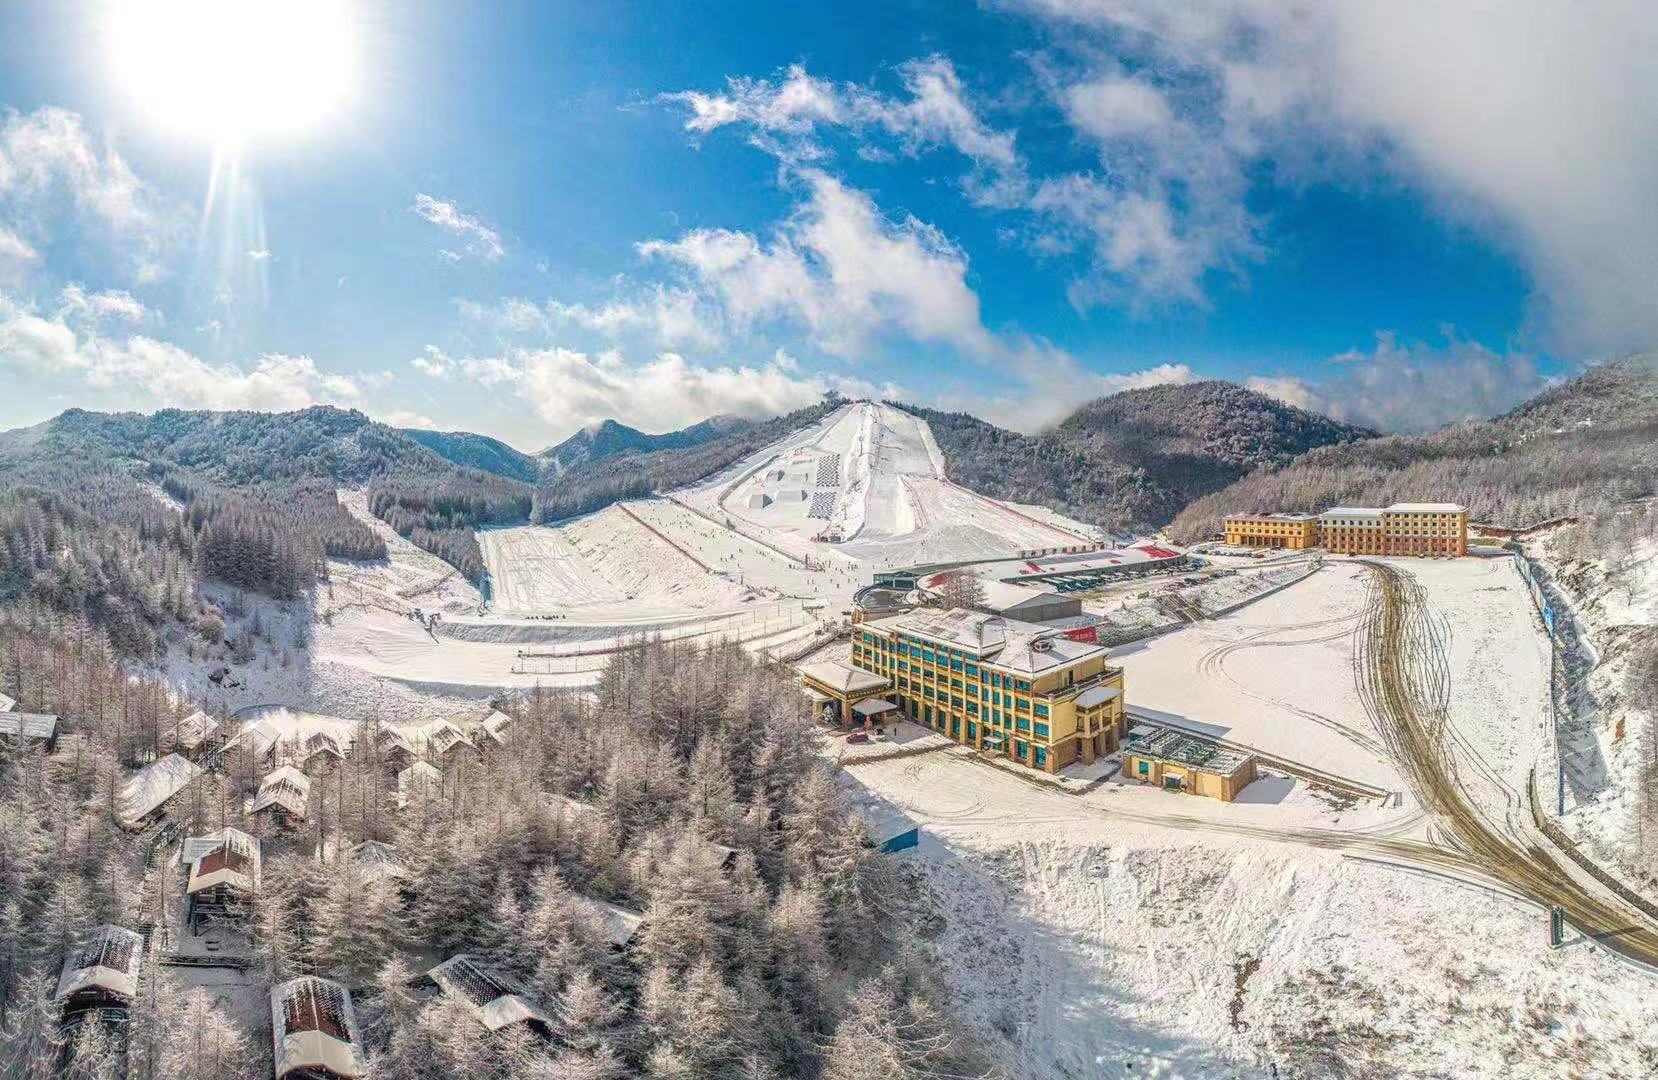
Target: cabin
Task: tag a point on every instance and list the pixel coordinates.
(314, 1034)
(377, 862)
(7, 704)
(492, 999)
(284, 794)
(224, 874)
(420, 782)
(494, 728)
(100, 975)
(619, 924)
(196, 734)
(40, 729)
(142, 797)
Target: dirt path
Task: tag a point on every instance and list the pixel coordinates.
(1406, 686)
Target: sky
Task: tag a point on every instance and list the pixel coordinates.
(523, 218)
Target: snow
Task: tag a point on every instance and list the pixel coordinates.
(1277, 676)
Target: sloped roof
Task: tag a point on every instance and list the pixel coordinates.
(227, 857)
(496, 725)
(314, 1026)
(153, 785)
(286, 787)
(1424, 508)
(842, 677)
(195, 729)
(377, 860)
(28, 725)
(620, 924)
(493, 1000)
(7, 704)
(108, 959)
(1097, 695)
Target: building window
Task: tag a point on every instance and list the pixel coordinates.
(1144, 768)
(1022, 685)
(1042, 730)
(972, 671)
(1024, 703)
(1022, 725)
(1041, 757)
(1041, 709)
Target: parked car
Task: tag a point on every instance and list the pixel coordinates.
(858, 737)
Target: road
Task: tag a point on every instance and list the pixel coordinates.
(1406, 684)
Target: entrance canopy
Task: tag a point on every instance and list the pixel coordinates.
(873, 707)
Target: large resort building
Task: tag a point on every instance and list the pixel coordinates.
(1401, 529)
(1021, 690)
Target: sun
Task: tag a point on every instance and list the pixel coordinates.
(233, 71)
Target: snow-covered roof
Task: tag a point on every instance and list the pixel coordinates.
(570, 809)
(378, 861)
(430, 737)
(620, 924)
(314, 1028)
(873, 707)
(28, 725)
(1339, 512)
(842, 677)
(286, 787)
(107, 959)
(492, 999)
(1034, 650)
(153, 785)
(227, 857)
(195, 729)
(496, 726)
(420, 772)
(296, 732)
(1274, 516)
(7, 704)
(971, 631)
(1097, 695)
(1425, 508)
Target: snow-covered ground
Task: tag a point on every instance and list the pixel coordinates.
(1277, 676)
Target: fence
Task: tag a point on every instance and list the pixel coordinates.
(1565, 843)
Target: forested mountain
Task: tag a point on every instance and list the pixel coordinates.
(1576, 448)
(610, 438)
(629, 474)
(479, 452)
(1137, 457)
(114, 516)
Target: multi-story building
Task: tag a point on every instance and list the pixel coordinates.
(1400, 529)
(1019, 689)
(1293, 531)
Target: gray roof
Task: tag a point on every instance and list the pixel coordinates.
(28, 725)
(314, 1026)
(1179, 748)
(153, 785)
(493, 999)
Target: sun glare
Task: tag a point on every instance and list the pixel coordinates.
(235, 70)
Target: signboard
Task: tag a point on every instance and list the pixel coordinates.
(1088, 634)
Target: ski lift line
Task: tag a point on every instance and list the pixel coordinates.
(704, 567)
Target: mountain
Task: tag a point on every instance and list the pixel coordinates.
(609, 439)
(1578, 448)
(1135, 458)
(478, 452)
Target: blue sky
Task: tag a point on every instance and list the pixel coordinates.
(521, 218)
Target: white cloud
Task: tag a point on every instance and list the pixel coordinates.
(259, 254)
(843, 270)
(16, 252)
(51, 170)
(664, 316)
(108, 304)
(569, 389)
(403, 418)
(1535, 122)
(481, 240)
(793, 104)
(140, 370)
(1412, 387)
(435, 364)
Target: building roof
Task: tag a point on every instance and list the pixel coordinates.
(314, 1027)
(1274, 516)
(873, 707)
(1010, 644)
(227, 857)
(153, 785)
(7, 704)
(1097, 695)
(620, 924)
(843, 677)
(296, 733)
(1179, 748)
(1352, 512)
(1036, 650)
(496, 726)
(493, 1000)
(194, 730)
(420, 772)
(970, 631)
(28, 725)
(568, 809)
(1425, 508)
(377, 861)
(286, 787)
(108, 959)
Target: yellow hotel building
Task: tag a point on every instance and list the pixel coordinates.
(1400, 529)
(1017, 689)
(1293, 531)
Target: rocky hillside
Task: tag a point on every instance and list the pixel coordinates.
(1578, 448)
(1134, 459)
(479, 452)
(610, 439)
